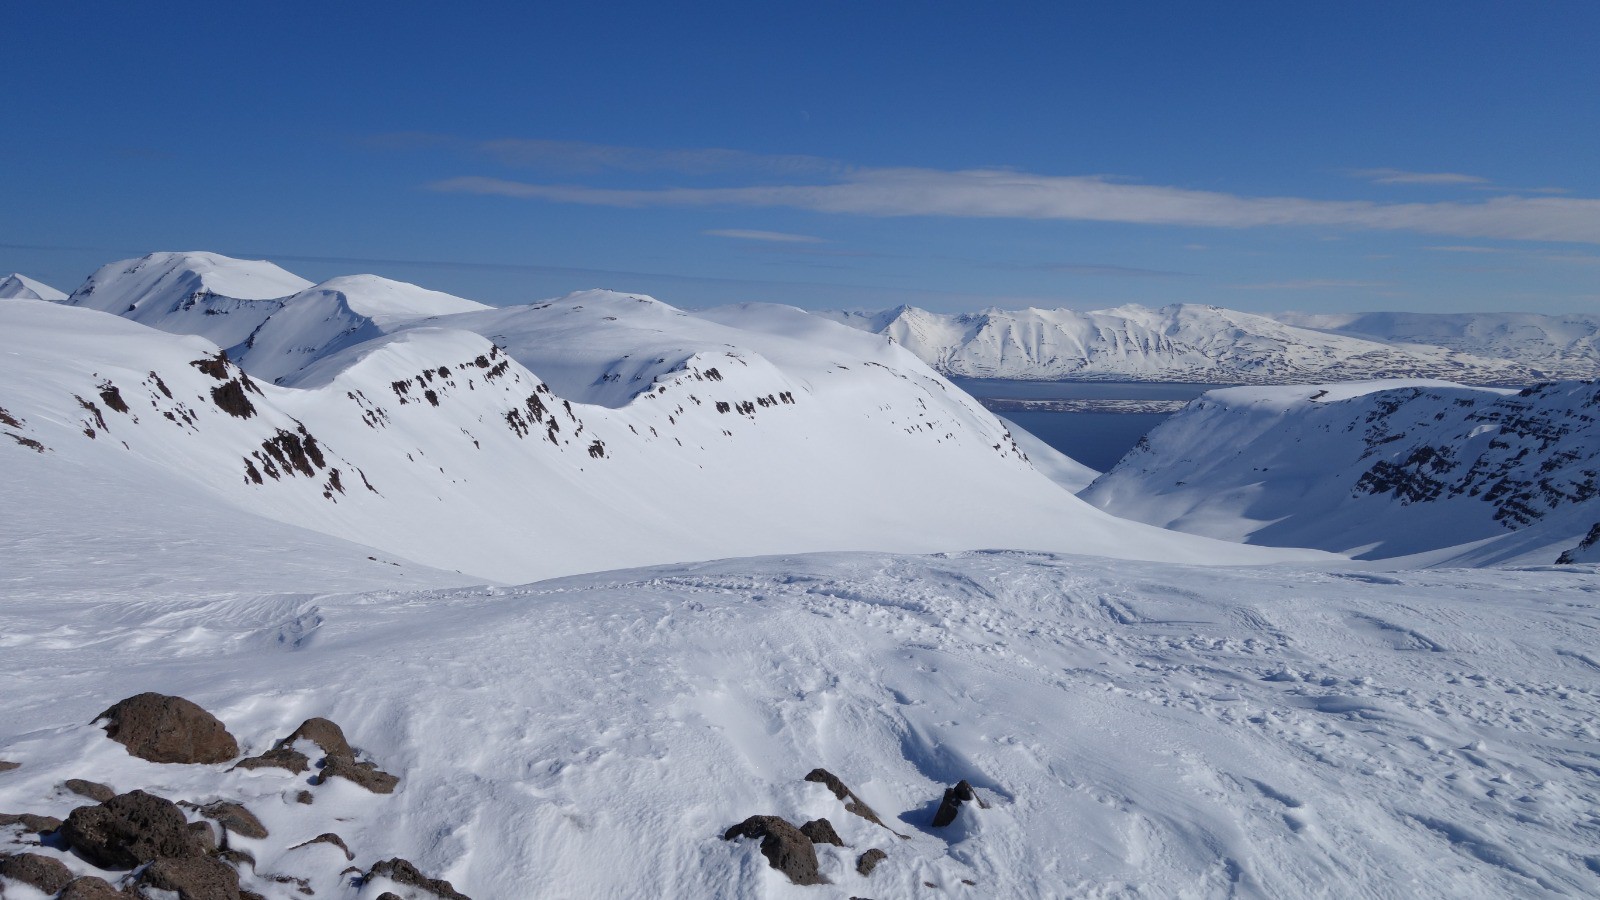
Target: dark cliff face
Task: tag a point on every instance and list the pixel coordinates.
(1526, 455)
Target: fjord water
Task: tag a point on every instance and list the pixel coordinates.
(1096, 439)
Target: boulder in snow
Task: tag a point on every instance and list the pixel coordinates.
(167, 729)
(46, 873)
(786, 848)
(129, 830)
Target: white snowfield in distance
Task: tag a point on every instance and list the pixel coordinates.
(1208, 344)
(1460, 475)
(593, 432)
(21, 287)
(1136, 729)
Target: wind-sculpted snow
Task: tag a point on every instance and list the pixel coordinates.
(662, 437)
(1131, 730)
(1379, 469)
(1186, 342)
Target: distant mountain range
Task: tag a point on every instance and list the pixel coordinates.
(1208, 344)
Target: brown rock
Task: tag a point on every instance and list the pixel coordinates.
(852, 803)
(869, 861)
(401, 871)
(820, 831)
(91, 888)
(388, 895)
(30, 822)
(325, 733)
(785, 847)
(951, 804)
(130, 829)
(235, 818)
(7, 765)
(194, 878)
(94, 790)
(365, 774)
(303, 797)
(46, 873)
(168, 730)
(280, 758)
(327, 838)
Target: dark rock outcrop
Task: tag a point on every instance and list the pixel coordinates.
(820, 831)
(30, 822)
(90, 887)
(327, 838)
(7, 765)
(194, 878)
(785, 847)
(234, 818)
(94, 790)
(46, 873)
(167, 729)
(279, 758)
(364, 774)
(951, 804)
(402, 871)
(131, 829)
(852, 803)
(325, 733)
(869, 860)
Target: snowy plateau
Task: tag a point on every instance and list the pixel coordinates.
(589, 583)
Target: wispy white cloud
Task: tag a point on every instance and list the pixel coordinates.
(579, 156)
(771, 237)
(1400, 176)
(992, 193)
(1312, 284)
(1466, 248)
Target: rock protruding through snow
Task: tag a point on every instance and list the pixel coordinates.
(786, 848)
(167, 729)
(129, 830)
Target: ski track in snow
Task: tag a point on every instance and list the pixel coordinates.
(1140, 729)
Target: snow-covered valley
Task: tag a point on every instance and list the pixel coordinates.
(598, 579)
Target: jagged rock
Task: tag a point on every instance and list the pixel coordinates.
(279, 758)
(234, 818)
(325, 733)
(94, 790)
(195, 878)
(30, 822)
(401, 871)
(90, 887)
(7, 765)
(820, 831)
(327, 838)
(167, 729)
(852, 803)
(785, 847)
(951, 804)
(303, 797)
(130, 829)
(364, 774)
(46, 873)
(869, 860)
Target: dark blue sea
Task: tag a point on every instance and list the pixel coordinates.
(1095, 439)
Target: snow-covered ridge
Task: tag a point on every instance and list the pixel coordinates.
(591, 432)
(1376, 469)
(17, 286)
(1186, 342)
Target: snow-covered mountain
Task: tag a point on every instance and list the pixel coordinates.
(20, 287)
(1378, 470)
(1558, 347)
(1185, 342)
(598, 431)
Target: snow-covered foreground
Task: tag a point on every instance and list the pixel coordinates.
(1139, 729)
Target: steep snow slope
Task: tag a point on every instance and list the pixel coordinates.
(335, 314)
(1136, 729)
(1565, 346)
(21, 287)
(434, 445)
(216, 297)
(1375, 469)
(1182, 342)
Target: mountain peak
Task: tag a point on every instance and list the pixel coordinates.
(17, 286)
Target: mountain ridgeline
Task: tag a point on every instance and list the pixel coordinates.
(1208, 344)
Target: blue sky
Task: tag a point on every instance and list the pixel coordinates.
(1433, 156)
